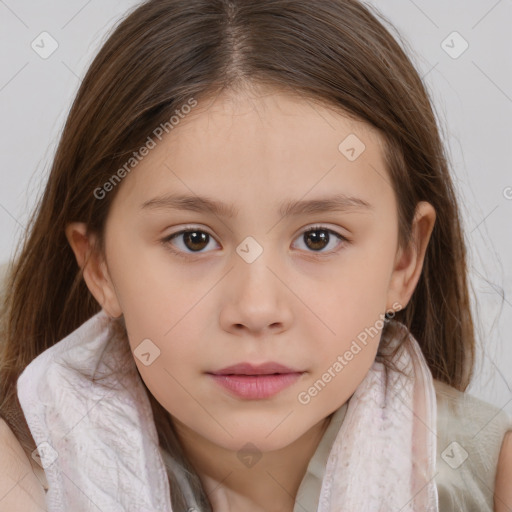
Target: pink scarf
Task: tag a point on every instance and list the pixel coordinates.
(99, 446)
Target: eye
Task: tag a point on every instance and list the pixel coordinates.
(318, 238)
(194, 240)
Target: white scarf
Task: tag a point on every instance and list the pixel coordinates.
(99, 447)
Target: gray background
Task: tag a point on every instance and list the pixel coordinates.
(472, 95)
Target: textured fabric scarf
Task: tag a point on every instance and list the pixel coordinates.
(89, 414)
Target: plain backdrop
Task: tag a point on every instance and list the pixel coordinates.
(461, 49)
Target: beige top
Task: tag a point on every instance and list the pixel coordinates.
(469, 436)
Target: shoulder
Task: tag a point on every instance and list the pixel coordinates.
(503, 489)
(470, 436)
(20, 488)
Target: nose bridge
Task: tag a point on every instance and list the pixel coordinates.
(255, 259)
(257, 298)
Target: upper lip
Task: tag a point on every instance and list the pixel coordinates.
(251, 369)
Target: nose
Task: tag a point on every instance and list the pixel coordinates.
(256, 298)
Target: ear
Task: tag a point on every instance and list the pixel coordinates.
(94, 267)
(409, 261)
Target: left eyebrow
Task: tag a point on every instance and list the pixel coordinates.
(203, 204)
(336, 203)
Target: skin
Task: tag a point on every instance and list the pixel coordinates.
(294, 305)
(503, 489)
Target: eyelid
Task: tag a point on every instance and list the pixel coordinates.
(322, 227)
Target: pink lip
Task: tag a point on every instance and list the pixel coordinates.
(256, 381)
(251, 369)
(256, 386)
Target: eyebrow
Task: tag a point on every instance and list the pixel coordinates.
(203, 204)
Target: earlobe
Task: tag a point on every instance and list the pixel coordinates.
(409, 261)
(94, 268)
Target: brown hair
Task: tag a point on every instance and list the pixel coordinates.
(335, 52)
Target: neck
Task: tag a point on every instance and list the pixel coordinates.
(269, 485)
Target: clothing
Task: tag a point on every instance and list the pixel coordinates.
(467, 425)
(89, 414)
(477, 426)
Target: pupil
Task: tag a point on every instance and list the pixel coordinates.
(319, 240)
(193, 239)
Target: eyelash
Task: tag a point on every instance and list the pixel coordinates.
(193, 255)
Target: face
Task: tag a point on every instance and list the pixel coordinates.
(201, 290)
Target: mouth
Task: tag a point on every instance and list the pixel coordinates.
(255, 383)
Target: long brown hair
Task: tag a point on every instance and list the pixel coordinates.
(335, 52)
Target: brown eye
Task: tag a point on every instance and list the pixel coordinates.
(318, 239)
(190, 241)
(195, 240)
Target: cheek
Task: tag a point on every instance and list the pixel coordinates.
(167, 368)
(155, 292)
(166, 327)
(347, 334)
(342, 361)
(353, 299)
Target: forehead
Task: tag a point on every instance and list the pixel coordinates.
(263, 113)
(261, 142)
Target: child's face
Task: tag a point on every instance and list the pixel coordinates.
(225, 304)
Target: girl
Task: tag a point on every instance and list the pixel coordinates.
(245, 285)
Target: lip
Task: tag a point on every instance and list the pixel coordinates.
(255, 382)
(256, 387)
(267, 368)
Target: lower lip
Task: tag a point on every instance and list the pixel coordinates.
(256, 386)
